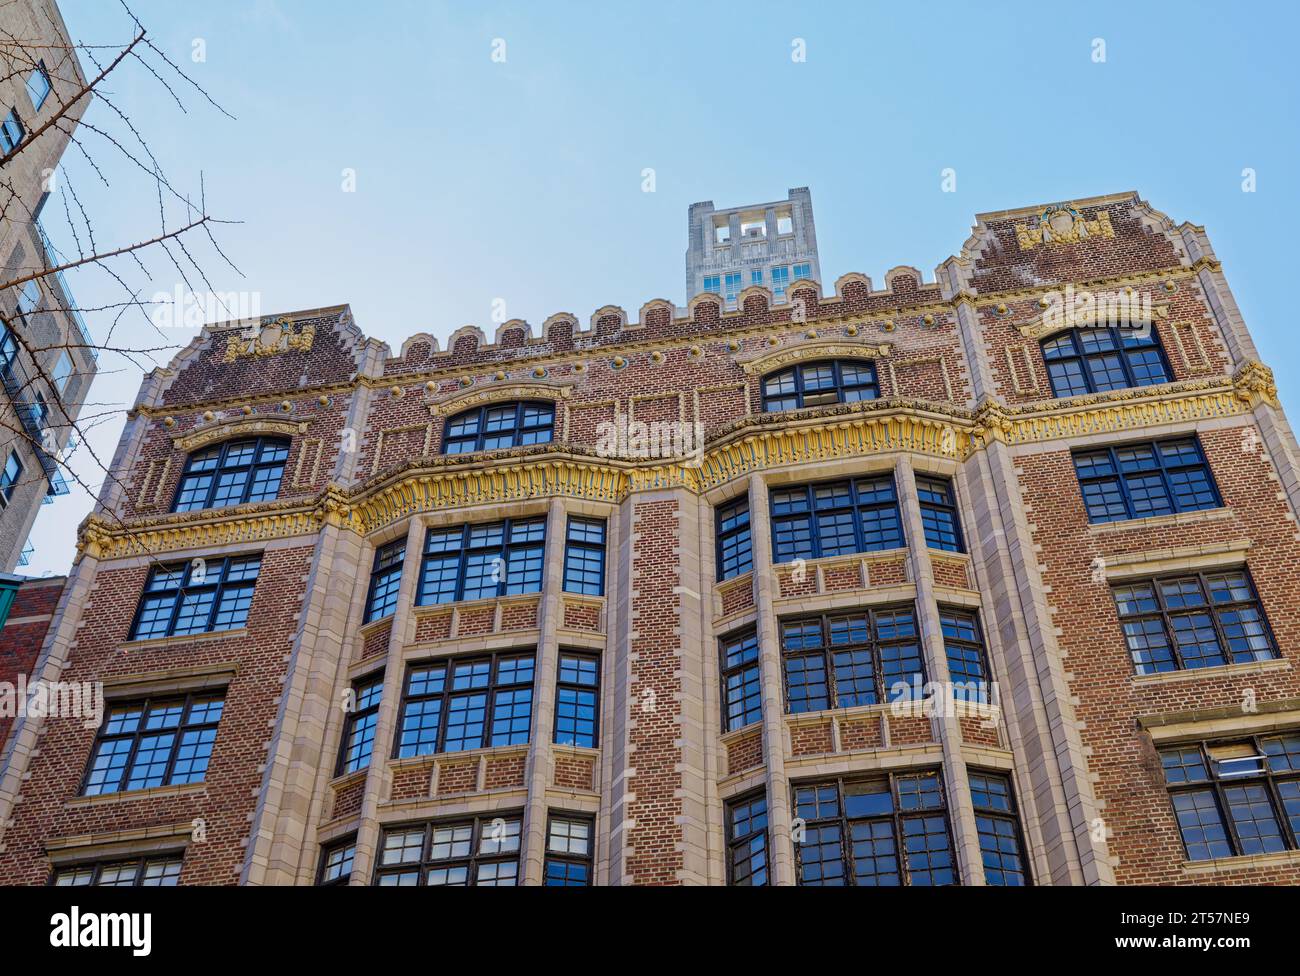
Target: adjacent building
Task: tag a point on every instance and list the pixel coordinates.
(983, 580)
(47, 360)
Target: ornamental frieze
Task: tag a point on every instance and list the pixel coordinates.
(271, 338)
(1064, 225)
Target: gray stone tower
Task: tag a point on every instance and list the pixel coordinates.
(768, 244)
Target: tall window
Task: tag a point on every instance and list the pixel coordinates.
(477, 851)
(473, 562)
(155, 742)
(161, 871)
(385, 579)
(964, 646)
(742, 689)
(735, 548)
(8, 349)
(451, 706)
(29, 297)
(821, 383)
(939, 514)
(38, 85)
(10, 476)
(999, 829)
(886, 830)
(62, 372)
(11, 131)
(732, 285)
(1193, 621)
(1096, 360)
(1137, 480)
(835, 518)
(747, 841)
(359, 729)
(584, 557)
(336, 863)
(570, 851)
(845, 659)
(501, 425)
(577, 693)
(196, 597)
(780, 279)
(802, 270)
(756, 276)
(1237, 797)
(713, 284)
(232, 474)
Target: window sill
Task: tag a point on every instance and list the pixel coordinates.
(129, 796)
(1220, 670)
(1159, 521)
(152, 642)
(1247, 862)
(443, 758)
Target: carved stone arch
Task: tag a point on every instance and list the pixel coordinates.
(501, 393)
(811, 350)
(228, 430)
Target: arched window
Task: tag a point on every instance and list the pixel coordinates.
(820, 383)
(1097, 360)
(500, 425)
(232, 473)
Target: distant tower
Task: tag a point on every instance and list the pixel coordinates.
(768, 244)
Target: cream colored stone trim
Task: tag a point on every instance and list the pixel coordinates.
(1223, 722)
(1027, 356)
(315, 448)
(453, 403)
(1161, 521)
(1219, 671)
(392, 432)
(893, 364)
(809, 349)
(134, 796)
(211, 635)
(1216, 555)
(223, 430)
(73, 849)
(198, 677)
(1249, 862)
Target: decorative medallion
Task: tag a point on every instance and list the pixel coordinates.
(1063, 225)
(274, 336)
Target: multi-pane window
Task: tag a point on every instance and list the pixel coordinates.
(1193, 621)
(29, 297)
(802, 270)
(62, 372)
(11, 131)
(731, 285)
(756, 276)
(1137, 480)
(232, 474)
(8, 349)
(747, 841)
(196, 597)
(577, 696)
(819, 384)
(964, 646)
(570, 849)
(466, 703)
(584, 557)
(939, 514)
(472, 562)
(780, 279)
(10, 476)
(496, 426)
(38, 85)
(155, 742)
(713, 284)
(835, 518)
(999, 829)
(844, 659)
(482, 851)
(385, 579)
(359, 729)
(137, 872)
(735, 545)
(336, 863)
(1236, 798)
(742, 691)
(886, 830)
(1097, 360)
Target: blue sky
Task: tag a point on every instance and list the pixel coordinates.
(478, 180)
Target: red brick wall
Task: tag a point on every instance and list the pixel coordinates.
(24, 633)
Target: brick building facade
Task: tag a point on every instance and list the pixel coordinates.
(430, 617)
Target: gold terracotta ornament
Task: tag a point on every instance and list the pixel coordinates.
(323, 400)
(209, 416)
(430, 385)
(539, 371)
(169, 421)
(579, 367)
(618, 362)
(398, 392)
(928, 319)
(246, 409)
(1063, 225)
(286, 406)
(465, 381)
(851, 330)
(733, 346)
(1170, 286)
(695, 352)
(1043, 303)
(656, 357)
(773, 341)
(1002, 308)
(272, 337)
(888, 325)
(810, 334)
(499, 375)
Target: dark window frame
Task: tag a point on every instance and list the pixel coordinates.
(326, 850)
(594, 657)
(1084, 359)
(935, 483)
(896, 817)
(381, 574)
(448, 693)
(98, 867)
(979, 645)
(839, 388)
(1011, 816)
(517, 430)
(741, 561)
(9, 486)
(39, 69)
(220, 589)
(504, 551)
(141, 733)
(1269, 778)
(1121, 478)
(855, 506)
(738, 639)
(9, 142)
(351, 718)
(588, 860)
(253, 467)
(575, 545)
(472, 862)
(826, 651)
(1211, 609)
(735, 844)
